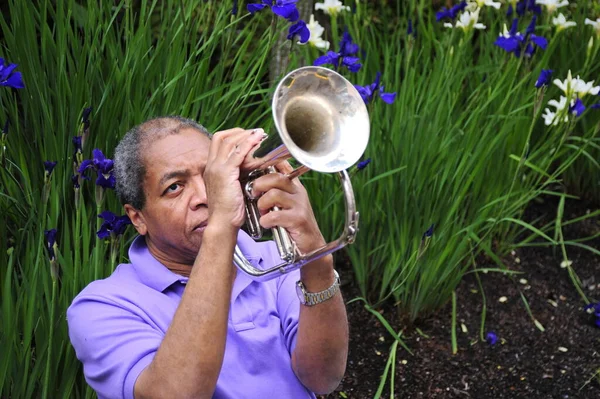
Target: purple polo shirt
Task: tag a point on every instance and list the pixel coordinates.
(116, 325)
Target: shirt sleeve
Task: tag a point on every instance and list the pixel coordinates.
(288, 307)
(114, 344)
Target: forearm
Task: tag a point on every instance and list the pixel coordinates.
(319, 358)
(190, 356)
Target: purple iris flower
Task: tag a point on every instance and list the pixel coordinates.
(234, 9)
(347, 46)
(597, 105)
(491, 338)
(577, 108)
(103, 167)
(596, 307)
(451, 13)
(513, 42)
(524, 6)
(363, 164)
(345, 57)
(282, 8)
(77, 143)
(410, 30)
(531, 27)
(299, 29)
(112, 224)
(49, 167)
(50, 241)
(75, 181)
(429, 232)
(368, 92)
(516, 43)
(537, 40)
(85, 118)
(544, 78)
(8, 76)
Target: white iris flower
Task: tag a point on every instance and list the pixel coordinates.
(583, 88)
(331, 7)
(489, 3)
(576, 86)
(595, 24)
(561, 22)
(316, 31)
(550, 118)
(467, 21)
(567, 85)
(552, 5)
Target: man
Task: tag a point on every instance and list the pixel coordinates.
(180, 321)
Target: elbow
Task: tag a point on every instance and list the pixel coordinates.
(157, 393)
(321, 379)
(324, 386)
(153, 385)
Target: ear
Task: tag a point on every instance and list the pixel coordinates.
(137, 219)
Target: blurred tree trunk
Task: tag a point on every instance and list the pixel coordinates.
(281, 50)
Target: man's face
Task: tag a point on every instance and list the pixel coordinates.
(175, 212)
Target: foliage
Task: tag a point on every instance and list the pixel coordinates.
(117, 60)
(463, 147)
(456, 154)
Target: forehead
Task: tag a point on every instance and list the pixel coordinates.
(187, 149)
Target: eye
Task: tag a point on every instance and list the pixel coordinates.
(172, 188)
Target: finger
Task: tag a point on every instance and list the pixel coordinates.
(243, 144)
(276, 198)
(273, 181)
(218, 138)
(284, 167)
(289, 219)
(250, 162)
(235, 141)
(284, 218)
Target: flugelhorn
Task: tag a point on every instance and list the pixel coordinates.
(322, 122)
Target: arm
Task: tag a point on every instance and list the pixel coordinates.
(319, 358)
(188, 361)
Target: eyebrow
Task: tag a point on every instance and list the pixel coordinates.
(176, 173)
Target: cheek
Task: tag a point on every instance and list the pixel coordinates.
(169, 216)
(174, 214)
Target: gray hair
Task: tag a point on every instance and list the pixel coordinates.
(129, 168)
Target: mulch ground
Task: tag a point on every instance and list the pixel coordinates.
(525, 362)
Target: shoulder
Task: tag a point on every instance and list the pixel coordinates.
(119, 289)
(111, 334)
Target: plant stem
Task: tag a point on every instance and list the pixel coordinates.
(50, 339)
(454, 344)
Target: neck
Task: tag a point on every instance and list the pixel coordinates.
(178, 267)
(182, 267)
(182, 270)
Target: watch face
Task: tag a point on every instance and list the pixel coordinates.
(300, 292)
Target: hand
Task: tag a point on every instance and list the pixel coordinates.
(295, 214)
(227, 151)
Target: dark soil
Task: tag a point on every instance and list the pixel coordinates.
(525, 362)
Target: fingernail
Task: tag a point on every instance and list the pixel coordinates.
(257, 130)
(264, 136)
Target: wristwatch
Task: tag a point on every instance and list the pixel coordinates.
(312, 299)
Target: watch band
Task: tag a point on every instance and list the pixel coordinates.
(312, 299)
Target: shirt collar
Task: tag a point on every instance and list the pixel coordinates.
(155, 275)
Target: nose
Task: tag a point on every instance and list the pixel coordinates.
(198, 198)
